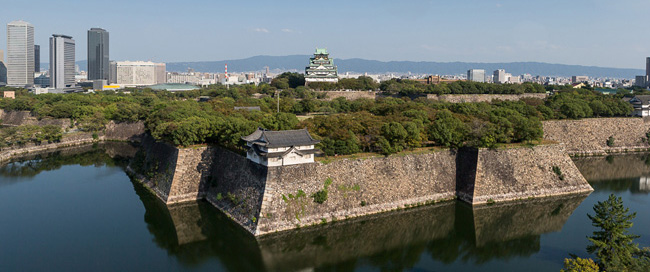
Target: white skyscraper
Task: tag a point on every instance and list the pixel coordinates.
(20, 54)
(476, 75)
(500, 76)
(62, 61)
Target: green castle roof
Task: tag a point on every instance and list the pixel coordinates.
(321, 51)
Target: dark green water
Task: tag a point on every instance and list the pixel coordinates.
(77, 210)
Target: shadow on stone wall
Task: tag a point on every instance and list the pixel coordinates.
(466, 162)
(237, 187)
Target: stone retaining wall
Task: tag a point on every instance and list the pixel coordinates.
(17, 118)
(175, 175)
(451, 98)
(521, 173)
(349, 95)
(589, 136)
(264, 200)
(359, 187)
(474, 98)
(114, 132)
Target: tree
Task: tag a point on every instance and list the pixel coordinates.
(613, 244)
(447, 130)
(395, 134)
(280, 121)
(580, 265)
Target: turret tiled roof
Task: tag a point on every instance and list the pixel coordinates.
(283, 138)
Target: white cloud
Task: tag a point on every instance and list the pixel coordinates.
(287, 30)
(262, 30)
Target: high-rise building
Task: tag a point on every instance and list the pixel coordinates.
(98, 58)
(137, 73)
(578, 79)
(160, 70)
(500, 76)
(476, 75)
(3, 68)
(321, 68)
(641, 81)
(20, 54)
(62, 55)
(37, 58)
(647, 66)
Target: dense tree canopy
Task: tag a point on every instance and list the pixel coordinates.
(386, 125)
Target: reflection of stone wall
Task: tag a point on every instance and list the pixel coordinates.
(508, 221)
(338, 242)
(520, 173)
(589, 136)
(618, 167)
(475, 98)
(448, 232)
(186, 218)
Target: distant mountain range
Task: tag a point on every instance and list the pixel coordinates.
(298, 63)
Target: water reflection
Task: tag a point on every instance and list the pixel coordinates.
(29, 165)
(197, 234)
(619, 173)
(448, 232)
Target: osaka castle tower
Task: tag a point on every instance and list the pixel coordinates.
(321, 68)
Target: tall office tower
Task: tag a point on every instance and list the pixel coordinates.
(3, 68)
(647, 66)
(500, 76)
(98, 63)
(37, 58)
(61, 61)
(476, 75)
(20, 54)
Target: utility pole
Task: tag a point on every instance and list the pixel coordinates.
(277, 94)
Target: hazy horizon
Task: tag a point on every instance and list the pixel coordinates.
(584, 32)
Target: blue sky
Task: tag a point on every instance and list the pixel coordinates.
(585, 32)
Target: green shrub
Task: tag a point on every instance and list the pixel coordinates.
(363, 203)
(320, 197)
(610, 141)
(558, 172)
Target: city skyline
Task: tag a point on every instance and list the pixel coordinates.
(587, 33)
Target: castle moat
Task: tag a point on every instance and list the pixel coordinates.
(78, 210)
